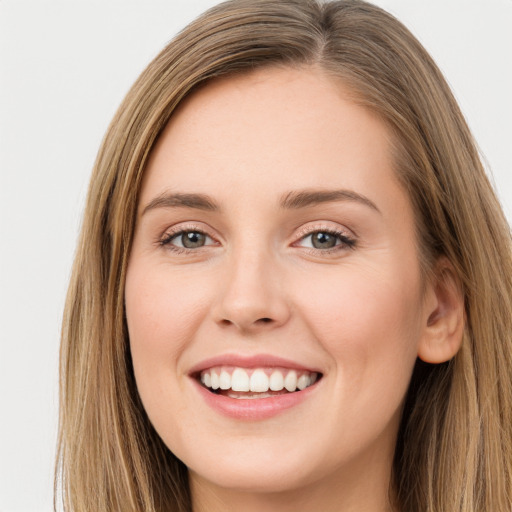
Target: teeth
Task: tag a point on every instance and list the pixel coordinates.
(302, 383)
(215, 381)
(225, 380)
(259, 380)
(276, 381)
(290, 381)
(239, 380)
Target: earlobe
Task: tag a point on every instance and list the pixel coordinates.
(444, 324)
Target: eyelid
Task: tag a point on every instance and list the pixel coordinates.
(329, 227)
(173, 231)
(346, 236)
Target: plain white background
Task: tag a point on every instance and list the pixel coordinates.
(64, 68)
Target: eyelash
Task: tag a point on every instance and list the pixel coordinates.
(168, 237)
(345, 241)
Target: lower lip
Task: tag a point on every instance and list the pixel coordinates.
(255, 408)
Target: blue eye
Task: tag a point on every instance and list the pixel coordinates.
(325, 240)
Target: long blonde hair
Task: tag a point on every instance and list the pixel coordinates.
(454, 449)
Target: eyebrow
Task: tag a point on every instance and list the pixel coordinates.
(180, 200)
(306, 198)
(291, 201)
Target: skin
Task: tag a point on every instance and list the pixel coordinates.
(360, 314)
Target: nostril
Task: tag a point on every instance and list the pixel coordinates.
(246, 324)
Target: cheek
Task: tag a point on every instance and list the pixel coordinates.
(369, 321)
(160, 307)
(161, 311)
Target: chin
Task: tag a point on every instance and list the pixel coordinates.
(260, 478)
(266, 464)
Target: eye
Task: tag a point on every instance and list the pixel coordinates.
(187, 239)
(326, 239)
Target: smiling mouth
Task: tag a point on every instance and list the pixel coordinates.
(254, 383)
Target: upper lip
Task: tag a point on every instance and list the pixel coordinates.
(252, 361)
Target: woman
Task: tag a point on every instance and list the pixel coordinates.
(293, 284)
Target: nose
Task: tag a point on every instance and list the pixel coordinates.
(252, 297)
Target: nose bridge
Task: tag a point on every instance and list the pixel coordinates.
(251, 296)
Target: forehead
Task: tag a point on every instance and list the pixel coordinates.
(271, 130)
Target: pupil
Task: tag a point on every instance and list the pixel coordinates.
(192, 239)
(323, 240)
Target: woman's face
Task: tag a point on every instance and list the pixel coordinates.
(275, 246)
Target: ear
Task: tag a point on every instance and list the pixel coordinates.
(444, 324)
